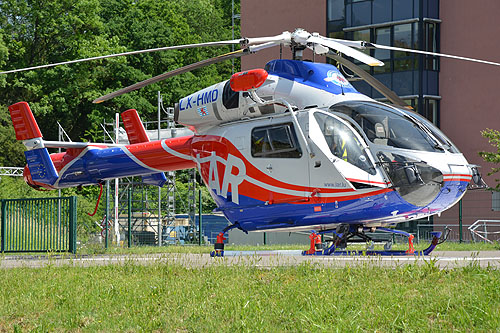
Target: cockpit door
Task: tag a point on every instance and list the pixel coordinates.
(345, 149)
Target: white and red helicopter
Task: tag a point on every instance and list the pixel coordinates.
(290, 147)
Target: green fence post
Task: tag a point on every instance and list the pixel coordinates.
(265, 238)
(460, 221)
(4, 224)
(129, 233)
(72, 224)
(200, 223)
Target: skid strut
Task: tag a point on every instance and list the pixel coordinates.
(219, 244)
(345, 232)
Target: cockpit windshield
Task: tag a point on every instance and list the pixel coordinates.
(388, 127)
(443, 139)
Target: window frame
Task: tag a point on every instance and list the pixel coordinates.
(277, 153)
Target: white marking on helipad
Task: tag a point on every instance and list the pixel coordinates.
(408, 258)
(126, 258)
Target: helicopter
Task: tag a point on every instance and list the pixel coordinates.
(290, 147)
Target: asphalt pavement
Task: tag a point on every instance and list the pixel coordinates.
(264, 259)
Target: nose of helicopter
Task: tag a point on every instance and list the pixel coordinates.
(450, 193)
(432, 189)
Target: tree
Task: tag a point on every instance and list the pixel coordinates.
(36, 32)
(41, 32)
(493, 137)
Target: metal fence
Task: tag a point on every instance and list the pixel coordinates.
(485, 230)
(38, 225)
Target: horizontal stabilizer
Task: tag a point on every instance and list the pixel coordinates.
(24, 123)
(41, 167)
(157, 179)
(134, 127)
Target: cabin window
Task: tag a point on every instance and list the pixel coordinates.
(275, 141)
(230, 98)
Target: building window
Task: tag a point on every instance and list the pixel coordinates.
(361, 13)
(402, 9)
(403, 37)
(365, 12)
(413, 77)
(495, 201)
(430, 110)
(336, 10)
(382, 11)
(383, 37)
(275, 141)
(430, 38)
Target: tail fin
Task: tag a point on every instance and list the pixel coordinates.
(41, 167)
(24, 123)
(137, 134)
(134, 127)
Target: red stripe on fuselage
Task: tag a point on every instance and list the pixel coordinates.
(203, 146)
(366, 181)
(155, 156)
(457, 177)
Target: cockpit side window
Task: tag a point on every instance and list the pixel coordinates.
(230, 98)
(343, 143)
(275, 141)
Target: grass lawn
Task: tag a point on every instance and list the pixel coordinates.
(169, 297)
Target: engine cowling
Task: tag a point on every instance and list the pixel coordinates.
(221, 103)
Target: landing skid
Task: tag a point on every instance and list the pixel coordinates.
(346, 232)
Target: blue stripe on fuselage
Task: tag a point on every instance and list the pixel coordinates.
(98, 164)
(255, 215)
(317, 75)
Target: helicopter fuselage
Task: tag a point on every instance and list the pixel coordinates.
(304, 151)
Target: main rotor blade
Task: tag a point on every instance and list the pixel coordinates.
(348, 51)
(379, 86)
(174, 72)
(176, 47)
(393, 48)
(283, 38)
(364, 45)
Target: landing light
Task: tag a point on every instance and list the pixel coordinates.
(244, 81)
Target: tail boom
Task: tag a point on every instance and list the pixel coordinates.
(93, 165)
(89, 164)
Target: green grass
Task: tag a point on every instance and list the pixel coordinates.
(168, 297)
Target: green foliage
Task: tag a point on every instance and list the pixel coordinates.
(182, 179)
(493, 137)
(38, 32)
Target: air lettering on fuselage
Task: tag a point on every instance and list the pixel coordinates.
(234, 174)
(200, 99)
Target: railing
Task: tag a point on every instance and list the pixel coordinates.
(478, 231)
(11, 171)
(424, 232)
(38, 225)
(475, 229)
